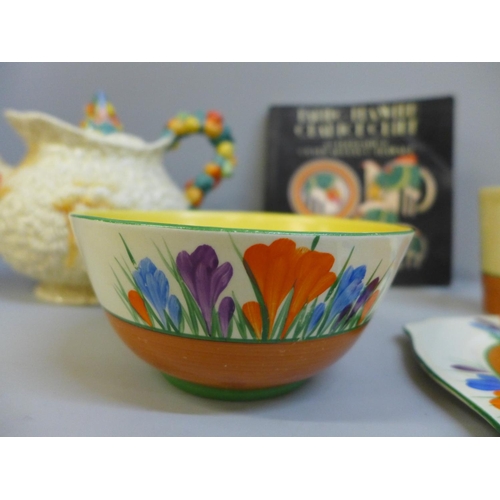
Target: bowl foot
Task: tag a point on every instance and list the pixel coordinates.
(232, 394)
(76, 295)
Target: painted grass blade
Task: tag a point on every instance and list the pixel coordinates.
(241, 321)
(282, 315)
(315, 242)
(260, 300)
(129, 253)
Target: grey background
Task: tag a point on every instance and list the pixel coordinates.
(146, 95)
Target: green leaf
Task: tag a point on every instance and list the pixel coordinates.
(373, 274)
(119, 287)
(230, 328)
(243, 324)
(170, 323)
(342, 325)
(307, 319)
(126, 303)
(282, 315)
(130, 256)
(316, 331)
(384, 275)
(171, 266)
(182, 321)
(216, 328)
(241, 321)
(331, 296)
(295, 321)
(339, 276)
(236, 249)
(187, 318)
(260, 299)
(315, 242)
(127, 274)
(354, 322)
(152, 314)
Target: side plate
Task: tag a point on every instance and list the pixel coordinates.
(462, 355)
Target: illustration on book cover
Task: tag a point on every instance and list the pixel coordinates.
(388, 162)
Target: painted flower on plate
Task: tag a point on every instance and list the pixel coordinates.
(483, 382)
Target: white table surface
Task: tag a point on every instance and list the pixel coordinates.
(64, 372)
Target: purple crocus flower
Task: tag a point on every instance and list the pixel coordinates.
(341, 317)
(350, 287)
(364, 296)
(204, 278)
(226, 311)
(466, 368)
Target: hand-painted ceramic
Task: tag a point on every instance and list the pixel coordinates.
(97, 165)
(238, 305)
(463, 355)
(489, 212)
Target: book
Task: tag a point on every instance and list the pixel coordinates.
(385, 161)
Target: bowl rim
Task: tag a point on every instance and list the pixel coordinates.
(384, 228)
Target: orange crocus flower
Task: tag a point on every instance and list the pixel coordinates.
(496, 401)
(312, 278)
(252, 312)
(281, 266)
(273, 268)
(138, 304)
(494, 358)
(368, 305)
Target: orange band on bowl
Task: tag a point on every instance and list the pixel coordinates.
(231, 365)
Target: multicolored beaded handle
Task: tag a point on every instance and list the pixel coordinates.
(212, 125)
(100, 114)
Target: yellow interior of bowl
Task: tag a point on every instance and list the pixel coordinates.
(246, 221)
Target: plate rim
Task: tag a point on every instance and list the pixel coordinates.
(434, 376)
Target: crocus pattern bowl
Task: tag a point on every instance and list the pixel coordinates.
(238, 305)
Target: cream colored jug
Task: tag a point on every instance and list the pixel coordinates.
(69, 168)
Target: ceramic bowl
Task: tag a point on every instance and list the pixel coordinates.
(238, 305)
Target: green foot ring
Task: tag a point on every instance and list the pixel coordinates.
(232, 394)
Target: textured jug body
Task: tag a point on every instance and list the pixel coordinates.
(67, 168)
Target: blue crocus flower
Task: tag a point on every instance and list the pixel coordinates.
(487, 326)
(156, 289)
(153, 284)
(174, 310)
(317, 314)
(350, 287)
(364, 296)
(484, 382)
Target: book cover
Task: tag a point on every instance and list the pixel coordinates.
(386, 161)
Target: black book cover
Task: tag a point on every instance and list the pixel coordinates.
(388, 161)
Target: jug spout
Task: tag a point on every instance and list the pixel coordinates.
(39, 129)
